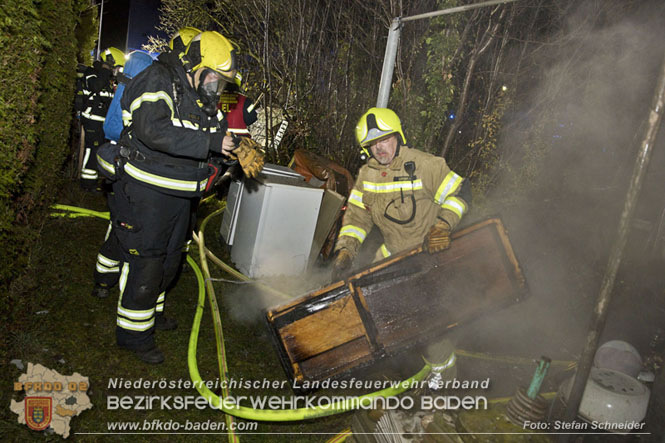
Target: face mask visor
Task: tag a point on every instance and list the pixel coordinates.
(212, 82)
(211, 85)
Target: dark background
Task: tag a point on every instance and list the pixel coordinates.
(126, 24)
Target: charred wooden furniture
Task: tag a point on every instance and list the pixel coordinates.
(396, 303)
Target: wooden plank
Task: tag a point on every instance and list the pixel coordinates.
(397, 303)
(336, 361)
(328, 328)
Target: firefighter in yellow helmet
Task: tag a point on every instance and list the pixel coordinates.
(412, 197)
(107, 269)
(114, 58)
(172, 128)
(98, 87)
(178, 43)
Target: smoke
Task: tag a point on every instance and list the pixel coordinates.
(569, 148)
(248, 302)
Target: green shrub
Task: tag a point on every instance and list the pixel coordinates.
(37, 70)
(20, 68)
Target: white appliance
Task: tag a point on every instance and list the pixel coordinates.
(270, 222)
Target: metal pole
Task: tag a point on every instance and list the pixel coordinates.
(389, 64)
(538, 377)
(600, 312)
(393, 41)
(129, 24)
(99, 35)
(455, 9)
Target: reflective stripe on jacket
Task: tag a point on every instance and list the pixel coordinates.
(169, 135)
(97, 95)
(384, 196)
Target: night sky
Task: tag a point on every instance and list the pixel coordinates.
(127, 24)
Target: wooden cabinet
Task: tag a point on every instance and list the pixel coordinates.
(394, 304)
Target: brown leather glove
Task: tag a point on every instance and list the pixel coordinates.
(329, 177)
(438, 237)
(342, 264)
(250, 156)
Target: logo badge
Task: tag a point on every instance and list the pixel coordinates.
(38, 412)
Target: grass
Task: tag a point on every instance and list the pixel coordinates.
(58, 324)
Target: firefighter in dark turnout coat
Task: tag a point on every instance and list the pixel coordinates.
(107, 268)
(95, 101)
(172, 127)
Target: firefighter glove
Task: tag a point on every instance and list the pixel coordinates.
(342, 264)
(438, 237)
(250, 156)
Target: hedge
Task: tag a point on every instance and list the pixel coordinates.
(37, 77)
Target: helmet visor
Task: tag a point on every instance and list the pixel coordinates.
(372, 129)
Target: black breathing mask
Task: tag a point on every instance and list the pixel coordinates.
(210, 88)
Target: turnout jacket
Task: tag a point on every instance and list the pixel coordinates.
(168, 135)
(96, 95)
(384, 196)
(81, 91)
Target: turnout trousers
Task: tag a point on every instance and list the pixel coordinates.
(109, 258)
(151, 228)
(94, 137)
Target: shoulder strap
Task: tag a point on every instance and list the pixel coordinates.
(122, 78)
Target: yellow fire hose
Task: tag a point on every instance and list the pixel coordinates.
(509, 359)
(262, 414)
(229, 269)
(74, 212)
(224, 402)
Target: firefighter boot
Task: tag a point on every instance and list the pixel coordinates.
(100, 291)
(148, 354)
(163, 323)
(151, 356)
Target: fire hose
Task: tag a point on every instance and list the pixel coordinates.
(223, 403)
(229, 407)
